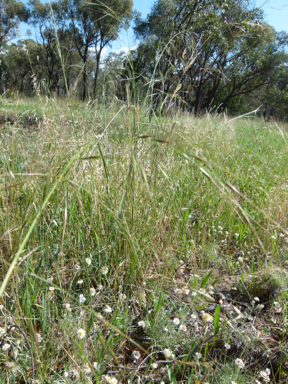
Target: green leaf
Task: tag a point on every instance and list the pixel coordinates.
(217, 319)
(205, 280)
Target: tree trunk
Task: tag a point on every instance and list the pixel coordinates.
(85, 59)
(1, 88)
(198, 100)
(96, 72)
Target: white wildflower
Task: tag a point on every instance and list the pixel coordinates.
(80, 282)
(154, 365)
(92, 291)
(136, 354)
(77, 267)
(198, 355)
(81, 333)
(67, 307)
(82, 299)
(240, 363)
(6, 347)
(107, 309)
(260, 307)
(183, 328)
(104, 270)
(176, 321)
(206, 317)
(88, 261)
(178, 291)
(39, 337)
(141, 324)
(87, 369)
(167, 353)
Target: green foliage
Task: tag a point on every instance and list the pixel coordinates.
(209, 54)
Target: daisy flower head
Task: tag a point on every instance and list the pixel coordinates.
(81, 333)
(141, 324)
(198, 355)
(183, 328)
(136, 354)
(110, 380)
(88, 261)
(240, 363)
(6, 347)
(82, 299)
(39, 337)
(265, 375)
(87, 369)
(186, 291)
(80, 282)
(167, 353)
(67, 307)
(178, 291)
(107, 309)
(104, 270)
(259, 307)
(51, 289)
(92, 291)
(154, 365)
(206, 317)
(176, 321)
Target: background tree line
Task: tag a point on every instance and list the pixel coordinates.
(196, 55)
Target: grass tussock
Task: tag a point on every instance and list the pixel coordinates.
(160, 256)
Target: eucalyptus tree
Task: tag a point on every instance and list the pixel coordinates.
(195, 48)
(11, 13)
(94, 25)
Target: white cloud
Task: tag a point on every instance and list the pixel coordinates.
(125, 50)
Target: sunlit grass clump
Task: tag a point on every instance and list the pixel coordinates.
(149, 250)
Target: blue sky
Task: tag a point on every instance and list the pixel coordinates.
(276, 14)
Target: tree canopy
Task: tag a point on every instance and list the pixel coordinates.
(196, 55)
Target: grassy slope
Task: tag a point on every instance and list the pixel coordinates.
(157, 212)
